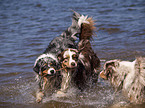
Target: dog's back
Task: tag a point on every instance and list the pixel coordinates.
(66, 39)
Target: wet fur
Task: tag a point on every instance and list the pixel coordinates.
(48, 84)
(68, 72)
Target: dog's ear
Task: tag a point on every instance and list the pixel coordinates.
(109, 66)
(36, 68)
(114, 63)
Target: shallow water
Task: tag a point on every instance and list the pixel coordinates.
(26, 28)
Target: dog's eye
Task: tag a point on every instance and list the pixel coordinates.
(75, 57)
(50, 64)
(53, 64)
(44, 68)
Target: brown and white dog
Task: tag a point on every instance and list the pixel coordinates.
(82, 63)
(69, 62)
(127, 76)
(87, 56)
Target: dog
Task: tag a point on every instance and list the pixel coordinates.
(49, 77)
(79, 64)
(90, 63)
(127, 76)
(47, 65)
(69, 61)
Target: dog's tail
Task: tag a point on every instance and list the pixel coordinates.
(87, 28)
(80, 25)
(73, 31)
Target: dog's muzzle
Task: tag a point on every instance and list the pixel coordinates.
(51, 71)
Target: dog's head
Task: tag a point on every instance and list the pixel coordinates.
(69, 58)
(112, 73)
(109, 69)
(46, 65)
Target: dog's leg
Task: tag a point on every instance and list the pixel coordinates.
(65, 85)
(40, 94)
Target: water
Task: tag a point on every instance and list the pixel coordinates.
(27, 26)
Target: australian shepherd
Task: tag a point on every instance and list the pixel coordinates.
(47, 66)
(127, 76)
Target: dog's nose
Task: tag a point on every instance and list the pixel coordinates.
(52, 71)
(73, 64)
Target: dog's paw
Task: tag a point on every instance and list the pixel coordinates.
(39, 97)
(60, 94)
(121, 104)
(39, 100)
